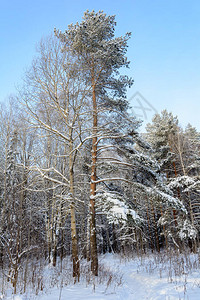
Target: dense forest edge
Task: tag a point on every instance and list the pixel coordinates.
(77, 179)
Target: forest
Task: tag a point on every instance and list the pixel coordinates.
(77, 178)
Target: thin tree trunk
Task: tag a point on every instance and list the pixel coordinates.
(165, 234)
(93, 243)
(149, 226)
(155, 226)
(88, 239)
(76, 265)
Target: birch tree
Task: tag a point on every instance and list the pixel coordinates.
(55, 101)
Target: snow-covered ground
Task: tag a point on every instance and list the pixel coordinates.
(155, 277)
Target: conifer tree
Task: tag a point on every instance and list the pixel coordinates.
(171, 149)
(101, 55)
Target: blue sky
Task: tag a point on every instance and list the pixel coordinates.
(164, 49)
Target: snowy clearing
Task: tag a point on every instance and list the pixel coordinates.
(154, 277)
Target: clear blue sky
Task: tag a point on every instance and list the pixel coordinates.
(164, 49)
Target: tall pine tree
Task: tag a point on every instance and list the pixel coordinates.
(101, 55)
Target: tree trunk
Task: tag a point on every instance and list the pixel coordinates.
(155, 227)
(93, 243)
(76, 265)
(150, 238)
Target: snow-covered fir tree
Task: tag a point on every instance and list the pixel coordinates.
(171, 148)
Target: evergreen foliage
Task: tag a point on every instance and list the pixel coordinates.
(76, 177)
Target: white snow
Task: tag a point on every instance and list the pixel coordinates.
(115, 208)
(154, 277)
(187, 231)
